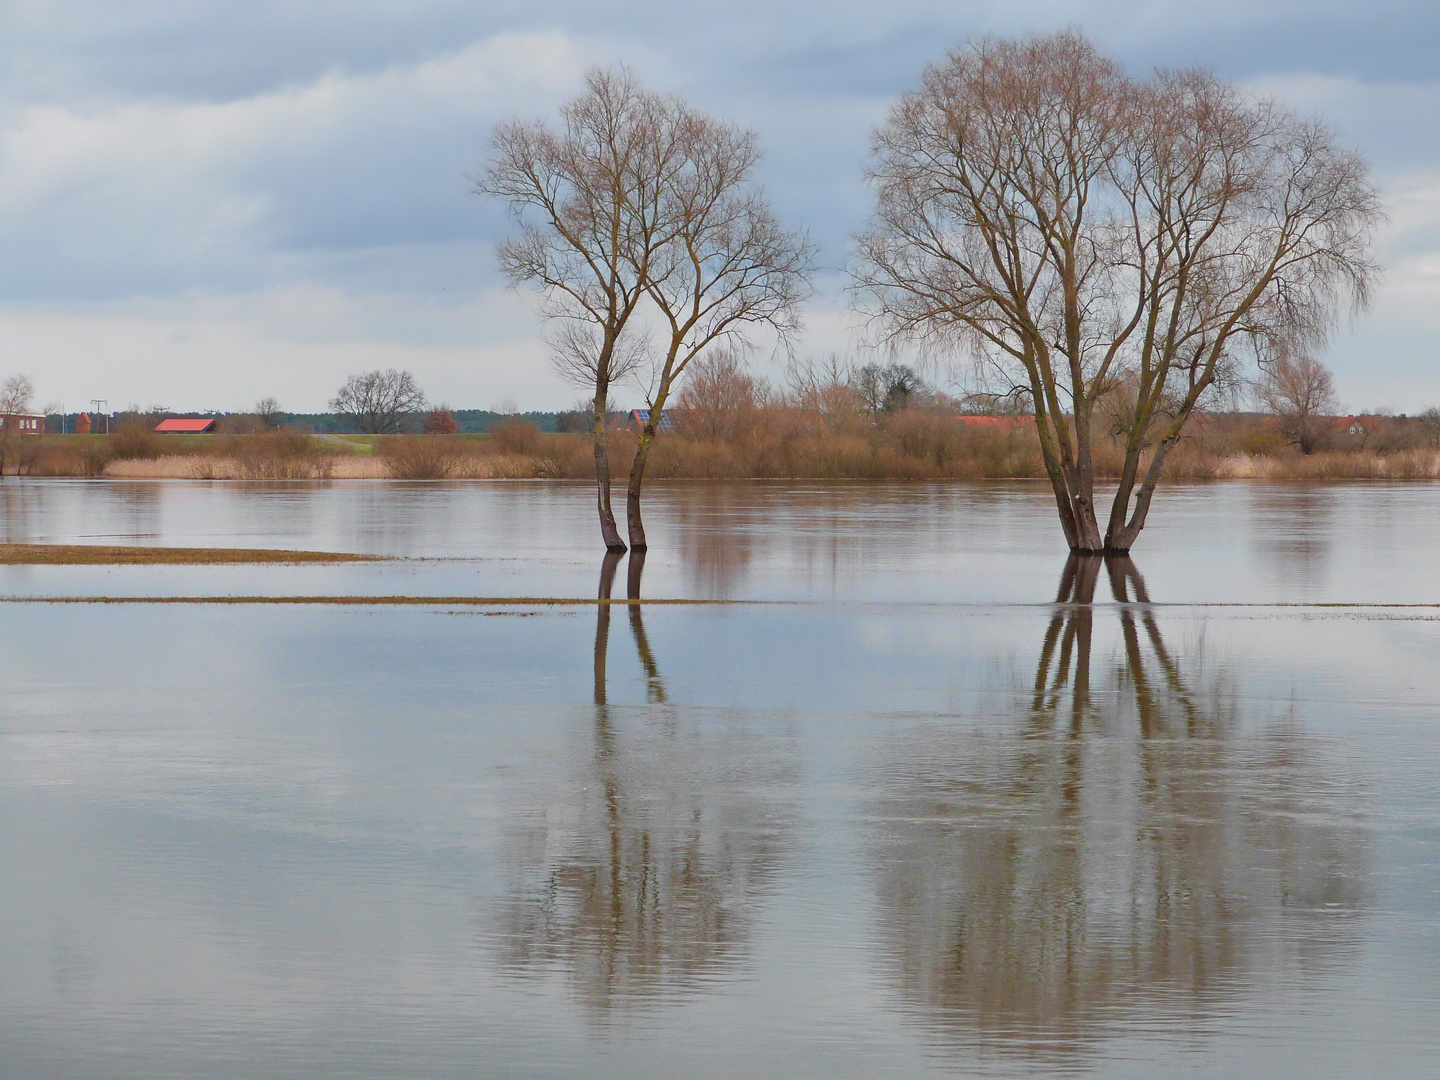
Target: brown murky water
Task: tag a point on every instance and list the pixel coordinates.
(906, 815)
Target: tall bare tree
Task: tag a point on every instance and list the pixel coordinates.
(587, 197)
(1085, 235)
(726, 265)
(268, 410)
(380, 402)
(1301, 393)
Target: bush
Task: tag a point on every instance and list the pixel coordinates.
(134, 441)
(516, 436)
(423, 457)
(240, 424)
(279, 455)
(440, 421)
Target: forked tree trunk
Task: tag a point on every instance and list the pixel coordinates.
(637, 480)
(1072, 483)
(609, 532)
(1125, 521)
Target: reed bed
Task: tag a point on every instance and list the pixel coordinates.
(779, 442)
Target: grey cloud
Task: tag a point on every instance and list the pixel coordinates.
(373, 197)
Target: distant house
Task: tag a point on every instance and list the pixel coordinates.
(186, 425)
(1356, 425)
(25, 423)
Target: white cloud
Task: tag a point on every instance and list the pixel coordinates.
(299, 344)
(187, 190)
(202, 249)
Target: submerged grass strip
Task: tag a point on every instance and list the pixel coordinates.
(382, 601)
(114, 555)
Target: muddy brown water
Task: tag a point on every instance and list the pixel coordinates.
(908, 816)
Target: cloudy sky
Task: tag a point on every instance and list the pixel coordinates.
(203, 202)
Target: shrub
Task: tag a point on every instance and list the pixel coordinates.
(516, 436)
(134, 441)
(423, 457)
(440, 421)
(279, 455)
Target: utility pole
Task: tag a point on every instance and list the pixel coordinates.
(97, 402)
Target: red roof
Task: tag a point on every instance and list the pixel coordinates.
(188, 424)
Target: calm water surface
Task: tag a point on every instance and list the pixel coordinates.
(917, 820)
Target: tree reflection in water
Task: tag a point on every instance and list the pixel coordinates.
(1134, 849)
(644, 882)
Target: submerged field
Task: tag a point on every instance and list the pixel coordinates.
(891, 811)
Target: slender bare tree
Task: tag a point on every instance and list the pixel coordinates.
(587, 197)
(1086, 235)
(268, 410)
(17, 395)
(380, 402)
(1301, 392)
(726, 266)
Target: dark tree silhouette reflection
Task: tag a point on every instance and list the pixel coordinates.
(643, 880)
(1131, 845)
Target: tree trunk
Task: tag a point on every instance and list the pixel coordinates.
(637, 478)
(608, 530)
(1087, 528)
(1122, 534)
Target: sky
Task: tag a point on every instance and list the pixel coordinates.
(207, 202)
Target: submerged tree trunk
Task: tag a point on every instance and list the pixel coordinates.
(1123, 531)
(609, 532)
(1072, 483)
(637, 479)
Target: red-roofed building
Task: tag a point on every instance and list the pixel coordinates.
(185, 425)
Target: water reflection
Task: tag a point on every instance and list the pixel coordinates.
(642, 878)
(1296, 527)
(1132, 845)
(718, 539)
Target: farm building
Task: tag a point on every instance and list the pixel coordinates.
(186, 425)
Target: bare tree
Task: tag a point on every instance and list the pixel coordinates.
(1084, 234)
(825, 388)
(268, 410)
(587, 197)
(720, 398)
(17, 395)
(1301, 392)
(1430, 425)
(724, 265)
(380, 401)
(887, 388)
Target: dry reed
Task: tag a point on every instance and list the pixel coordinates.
(759, 440)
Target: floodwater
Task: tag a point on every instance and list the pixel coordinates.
(892, 812)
